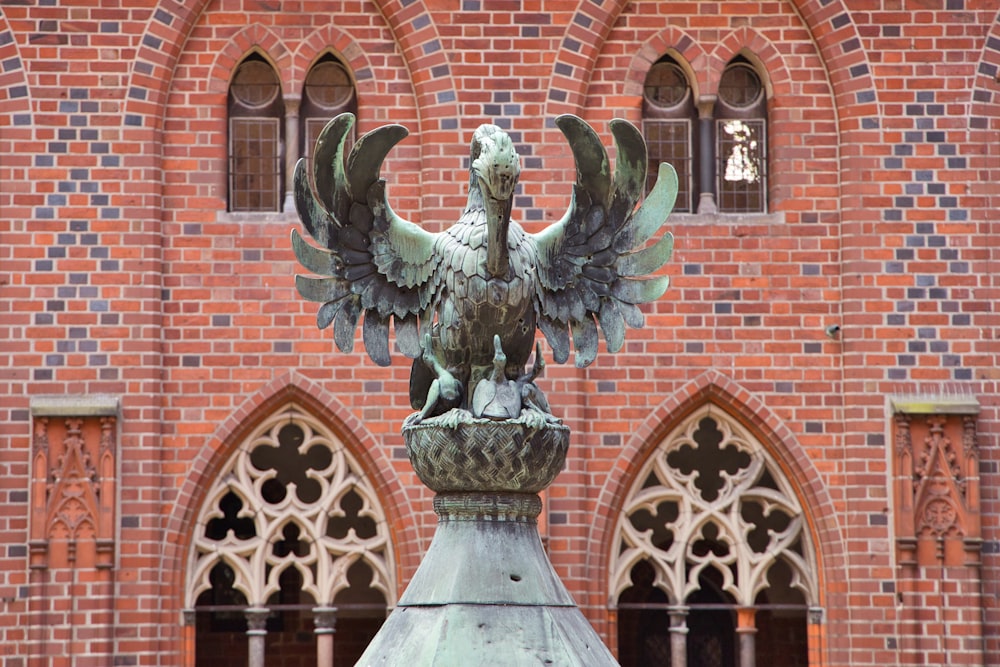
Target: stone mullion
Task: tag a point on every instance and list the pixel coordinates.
(678, 636)
(325, 620)
(746, 633)
(292, 104)
(707, 196)
(256, 635)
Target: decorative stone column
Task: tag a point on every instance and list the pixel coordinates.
(188, 632)
(678, 636)
(325, 620)
(292, 104)
(256, 635)
(486, 592)
(746, 631)
(706, 156)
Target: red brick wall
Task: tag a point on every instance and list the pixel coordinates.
(121, 273)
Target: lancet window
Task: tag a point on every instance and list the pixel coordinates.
(291, 550)
(269, 131)
(256, 137)
(712, 561)
(669, 120)
(328, 92)
(717, 144)
(741, 140)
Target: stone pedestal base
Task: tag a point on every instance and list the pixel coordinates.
(485, 593)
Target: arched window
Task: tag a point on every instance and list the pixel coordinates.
(256, 137)
(290, 539)
(711, 549)
(741, 140)
(668, 123)
(328, 92)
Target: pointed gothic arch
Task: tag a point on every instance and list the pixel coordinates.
(290, 529)
(796, 465)
(711, 547)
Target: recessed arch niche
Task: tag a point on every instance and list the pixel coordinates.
(711, 553)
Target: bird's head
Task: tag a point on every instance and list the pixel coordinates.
(495, 165)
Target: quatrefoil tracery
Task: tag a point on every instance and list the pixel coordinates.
(711, 500)
(292, 497)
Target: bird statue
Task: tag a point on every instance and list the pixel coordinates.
(465, 302)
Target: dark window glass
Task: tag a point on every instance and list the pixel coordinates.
(254, 164)
(256, 137)
(669, 115)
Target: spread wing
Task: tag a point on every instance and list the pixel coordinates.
(593, 265)
(372, 261)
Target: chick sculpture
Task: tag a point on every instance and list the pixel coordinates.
(465, 302)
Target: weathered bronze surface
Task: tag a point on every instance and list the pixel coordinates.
(465, 302)
(487, 455)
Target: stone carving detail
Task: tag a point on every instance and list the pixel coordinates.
(711, 498)
(73, 491)
(937, 489)
(939, 517)
(291, 497)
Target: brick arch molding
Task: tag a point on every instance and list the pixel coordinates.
(14, 90)
(750, 41)
(252, 38)
(217, 450)
(173, 21)
(15, 93)
(984, 133)
(290, 66)
(829, 22)
(707, 67)
(984, 113)
(331, 38)
(674, 39)
(780, 442)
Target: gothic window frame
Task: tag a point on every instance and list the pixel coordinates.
(669, 124)
(252, 559)
(741, 139)
(256, 138)
(662, 526)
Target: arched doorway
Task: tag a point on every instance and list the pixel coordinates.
(713, 566)
(291, 561)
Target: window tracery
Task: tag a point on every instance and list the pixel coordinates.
(291, 498)
(711, 537)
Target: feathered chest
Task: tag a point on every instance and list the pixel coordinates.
(463, 249)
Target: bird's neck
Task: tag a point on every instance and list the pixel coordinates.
(497, 225)
(497, 215)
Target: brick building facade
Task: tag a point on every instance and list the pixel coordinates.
(837, 339)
